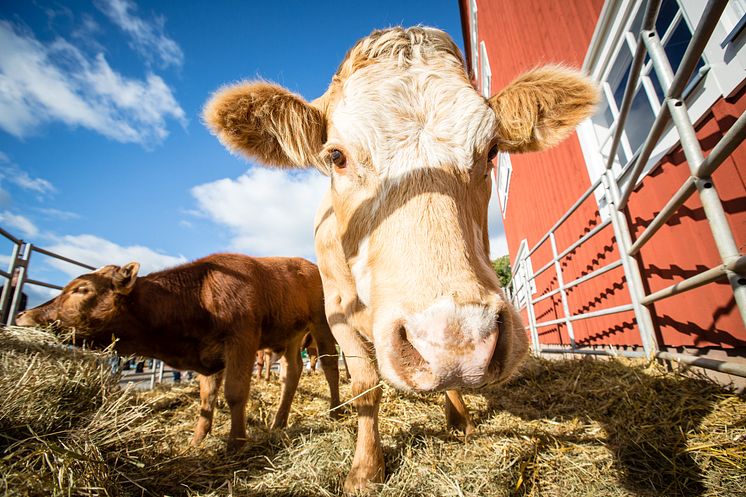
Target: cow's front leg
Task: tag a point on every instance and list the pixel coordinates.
(208, 397)
(367, 464)
(457, 414)
(239, 362)
(291, 365)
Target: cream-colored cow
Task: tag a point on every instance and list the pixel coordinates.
(401, 236)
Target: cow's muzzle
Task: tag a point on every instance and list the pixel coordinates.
(445, 346)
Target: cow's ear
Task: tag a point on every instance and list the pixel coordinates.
(542, 107)
(124, 278)
(268, 123)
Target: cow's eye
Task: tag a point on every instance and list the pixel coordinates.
(338, 159)
(81, 290)
(492, 154)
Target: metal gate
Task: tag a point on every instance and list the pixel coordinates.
(733, 266)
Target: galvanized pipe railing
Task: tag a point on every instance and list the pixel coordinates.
(734, 263)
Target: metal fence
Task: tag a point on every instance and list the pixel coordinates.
(618, 188)
(16, 277)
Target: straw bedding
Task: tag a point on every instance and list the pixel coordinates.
(559, 428)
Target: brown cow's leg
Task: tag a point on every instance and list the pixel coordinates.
(290, 369)
(268, 356)
(327, 349)
(259, 364)
(457, 414)
(209, 386)
(239, 362)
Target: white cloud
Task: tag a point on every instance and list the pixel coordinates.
(58, 214)
(97, 252)
(14, 222)
(268, 211)
(14, 174)
(59, 82)
(147, 38)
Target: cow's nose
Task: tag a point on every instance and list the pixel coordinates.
(444, 346)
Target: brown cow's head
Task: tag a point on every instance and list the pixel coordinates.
(409, 146)
(87, 304)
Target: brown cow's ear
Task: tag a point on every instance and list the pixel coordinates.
(124, 278)
(268, 123)
(542, 107)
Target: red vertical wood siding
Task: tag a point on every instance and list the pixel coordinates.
(522, 35)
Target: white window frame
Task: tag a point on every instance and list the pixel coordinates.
(486, 80)
(726, 71)
(523, 267)
(503, 173)
(474, 38)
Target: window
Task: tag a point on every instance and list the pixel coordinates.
(486, 83)
(474, 38)
(523, 270)
(503, 172)
(718, 74)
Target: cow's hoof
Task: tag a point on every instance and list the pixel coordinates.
(363, 481)
(235, 444)
(278, 424)
(337, 413)
(196, 440)
(463, 425)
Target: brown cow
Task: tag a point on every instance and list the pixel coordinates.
(210, 316)
(401, 236)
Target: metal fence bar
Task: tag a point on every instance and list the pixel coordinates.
(711, 203)
(593, 274)
(563, 294)
(606, 352)
(62, 258)
(630, 265)
(577, 317)
(737, 369)
(567, 214)
(727, 144)
(21, 270)
(578, 281)
(681, 196)
(545, 296)
(584, 239)
(542, 268)
(10, 237)
(661, 121)
(44, 284)
(530, 310)
(691, 283)
(5, 298)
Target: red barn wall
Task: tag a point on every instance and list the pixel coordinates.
(522, 35)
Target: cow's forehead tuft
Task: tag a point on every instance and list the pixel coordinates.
(406, 118)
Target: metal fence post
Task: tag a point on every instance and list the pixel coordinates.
(631, 268)
(530, 309)
(562, 292)
(5, 299)
(21, 270)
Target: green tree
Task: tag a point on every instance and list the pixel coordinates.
(502, 268)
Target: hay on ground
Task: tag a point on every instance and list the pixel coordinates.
(560, 428)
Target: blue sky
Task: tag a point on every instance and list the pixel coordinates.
(103, 156)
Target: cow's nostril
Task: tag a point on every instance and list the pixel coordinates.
(410, 356)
